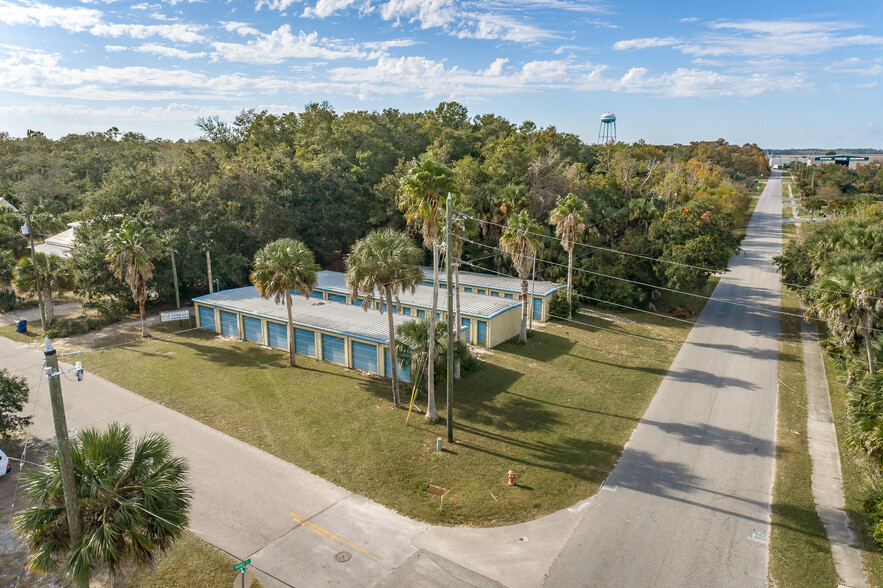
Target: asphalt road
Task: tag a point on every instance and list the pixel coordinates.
(688, 503)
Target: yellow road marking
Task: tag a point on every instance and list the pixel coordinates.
(329, 535)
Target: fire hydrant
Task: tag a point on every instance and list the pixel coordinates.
(511, 478)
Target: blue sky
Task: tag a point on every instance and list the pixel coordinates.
(781, 74)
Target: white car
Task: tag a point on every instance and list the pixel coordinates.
(5, 466)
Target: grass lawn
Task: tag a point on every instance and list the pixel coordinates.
(800, 554)
(858, 472)
(557, 410)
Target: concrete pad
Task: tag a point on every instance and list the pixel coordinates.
(429, 570)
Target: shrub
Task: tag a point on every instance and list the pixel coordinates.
(558, 305)
(8, 301)
(109, 309)
(873, 510)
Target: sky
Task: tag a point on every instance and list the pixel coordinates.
(779, 74)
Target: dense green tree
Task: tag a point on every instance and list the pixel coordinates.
(14, 392)
(382, 265)
(134, 503)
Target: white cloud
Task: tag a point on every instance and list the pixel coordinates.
(181, 33)
(281, 44)
(242, 29)
(165, 51)
(276, 4)
(696, 83)
(326, 8)
(645, 43)
(491, 26)
(429, 13)
(115, 48)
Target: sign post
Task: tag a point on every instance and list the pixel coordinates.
(240, 567)
(175, 315)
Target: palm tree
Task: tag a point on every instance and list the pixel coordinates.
(569, 217)
(134, 503)
(131, 251)
(520, 243)
(465, 226)
(56, 275)
(413, 347)
(421, 196)
(849, 299)
(384, 264)
(280, 267)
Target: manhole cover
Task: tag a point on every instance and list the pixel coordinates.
(343, 556)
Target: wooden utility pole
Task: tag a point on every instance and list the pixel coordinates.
(37, 283)
(175, 278)
(208, 262)
(71, 506)
(451, 326)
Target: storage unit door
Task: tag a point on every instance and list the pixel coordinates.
(509, 296)
(495, 294)
(207, 318)
(421, 313)
(365, 356)
(228, 324)
(336, 297)
(406, 311)
(356, 302)
(482, 331)
(466, 323)
(537, 309)
(317, 294)
(404, 371)
(252, 328)
(305, 342)
(277, 336)
(333, 349)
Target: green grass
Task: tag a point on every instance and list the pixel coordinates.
(190, 562)
(787, 212)
(858, 472)
(557, 410)
(35, 332)
(800, 554)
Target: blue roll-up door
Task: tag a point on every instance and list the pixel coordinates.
(467, 290)
(427, 284)
(356, 302)
(509, 296)
(421, 313)
(365, 356)
(229, 325)
(333, 349)
(317, 294)
(404, 370)
(482, 331)
(207, 318)
(537, 309)
(277, 336)
(252, 328)
(496, 294)
(466, 323)
(336, 297)
(304, 342)
(406, 310)
(479, 291)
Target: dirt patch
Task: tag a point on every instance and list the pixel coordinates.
(681, 312)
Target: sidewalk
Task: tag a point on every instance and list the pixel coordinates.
(291, 523)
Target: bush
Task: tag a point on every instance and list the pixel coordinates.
(78, 325)
(558, 306)
(873, 507)
(109, 309)
(8, 301)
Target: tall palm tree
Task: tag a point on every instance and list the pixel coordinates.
(280, 267)
(56, 275)
(131, 251)
(520, 243)
(134, 503)
(421, 196)
(413, 346)
(569, 217)
(463, 225)
(849, 298)
(384, 264)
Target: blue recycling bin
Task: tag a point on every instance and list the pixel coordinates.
(21, 326)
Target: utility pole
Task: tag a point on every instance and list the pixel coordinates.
(450, 379)
(208, 262)
(532, 284)
(27, 230)
(71, 506)
(175, 278)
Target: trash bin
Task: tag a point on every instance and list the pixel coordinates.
(21, 326)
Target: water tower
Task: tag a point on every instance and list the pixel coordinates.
(607, 130)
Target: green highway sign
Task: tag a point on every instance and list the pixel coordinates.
(842, 158)
(241, 565)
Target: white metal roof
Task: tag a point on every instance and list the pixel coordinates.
(470, 304)
(337, 318)
(495, 282)
(60, 244)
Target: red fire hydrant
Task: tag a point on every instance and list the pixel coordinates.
(511, 478)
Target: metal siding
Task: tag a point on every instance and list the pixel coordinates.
(336, 297)
(482, 331)
(277, 336)
(404, 371)
(537, 309)
(207, 317)
(229, 324)
(365, 356)
(333, 349)
(252, 329)
(304, 342)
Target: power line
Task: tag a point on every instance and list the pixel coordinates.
(657, 287)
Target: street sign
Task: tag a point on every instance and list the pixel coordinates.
(241, 564)
(175, 315)
(843, 158)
